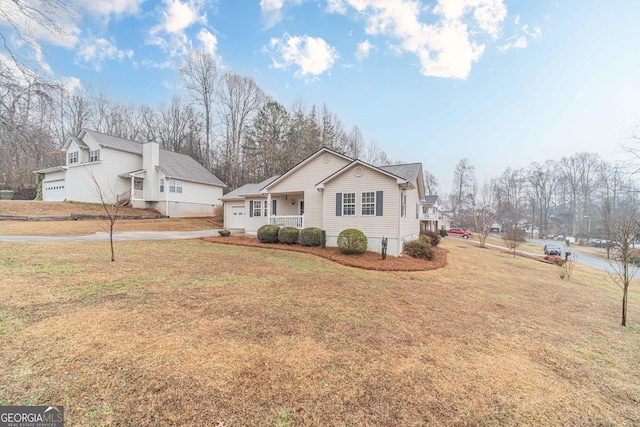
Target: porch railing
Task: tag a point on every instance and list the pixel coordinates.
(138, 194)
(430, 216)
(296, 221)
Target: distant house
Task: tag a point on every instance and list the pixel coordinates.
(334, 192)
(149, 177)
(431, 217)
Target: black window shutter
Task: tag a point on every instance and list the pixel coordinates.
(251, 208)
(378, 203)
(273, 207)
(338, 204)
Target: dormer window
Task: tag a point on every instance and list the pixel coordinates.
(94, 155)
(73, 157)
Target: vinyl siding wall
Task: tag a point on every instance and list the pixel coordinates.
(374, 227)
(80, 186)
(305, 179)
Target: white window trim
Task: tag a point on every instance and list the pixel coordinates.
(371, 205)
(73, 157)
(175, 186)
(345, 204)
(257, 208)
(403, 205)
(93, 153)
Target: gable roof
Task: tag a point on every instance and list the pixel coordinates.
(430, 200)
(390, 173)
(114, 142)
(408, 171)
(304, 162)
(247, 190)
(172, 164)
(182, 166)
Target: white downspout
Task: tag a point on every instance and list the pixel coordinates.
(166, 195)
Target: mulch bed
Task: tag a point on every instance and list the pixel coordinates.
(367, 260)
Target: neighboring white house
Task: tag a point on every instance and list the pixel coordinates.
(334, 192)
(173, 183)
(431, 218)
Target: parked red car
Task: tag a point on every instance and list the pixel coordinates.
(460, 232)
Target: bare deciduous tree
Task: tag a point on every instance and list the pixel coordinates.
(624, 228)
(111, 207)
(200, 76)
(487, 208)
(430, 183)
(464, 182)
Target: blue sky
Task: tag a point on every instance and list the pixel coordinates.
(500, 82)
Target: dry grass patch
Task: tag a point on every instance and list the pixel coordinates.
(37, 208)
(78, 228)
(195, 333)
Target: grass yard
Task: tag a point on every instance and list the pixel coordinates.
(88, 226)
(201, 334)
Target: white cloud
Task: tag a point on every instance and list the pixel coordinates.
(312, 55)
(210, 41)
(177, 17)
(115, 7)
(72, 84)
(272, 10)
(363, 50)
(520, 41)
(444, 47)
(95, 51)
(336, 6)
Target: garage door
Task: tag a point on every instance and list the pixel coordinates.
(237, 217)
(53, 191)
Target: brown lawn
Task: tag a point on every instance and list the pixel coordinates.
(200, 334)
(88, 226)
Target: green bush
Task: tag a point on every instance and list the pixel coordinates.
(434, 238)
(419, 249)
(288, 235)
(443, 233)
(310, 236)
(224, 233)
(268, 233)
(352, 241)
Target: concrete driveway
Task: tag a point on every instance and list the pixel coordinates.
(117, 236)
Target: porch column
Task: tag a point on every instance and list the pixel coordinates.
(133, 179)
(269, 208)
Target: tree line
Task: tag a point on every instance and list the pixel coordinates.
(575, 195)
(222, 119)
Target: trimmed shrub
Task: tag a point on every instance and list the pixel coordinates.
(324, 240)
(310, 236)
(288, 235)
(443, 232)
(224, 233)
(434, 238)
(268, 233)
(418, 249)
(352, 241)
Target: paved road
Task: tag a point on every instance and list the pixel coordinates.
(581, 257)
(117, 236)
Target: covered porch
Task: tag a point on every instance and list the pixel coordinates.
(286, 209)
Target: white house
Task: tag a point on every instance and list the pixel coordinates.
(172, 183)
(334, 192)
